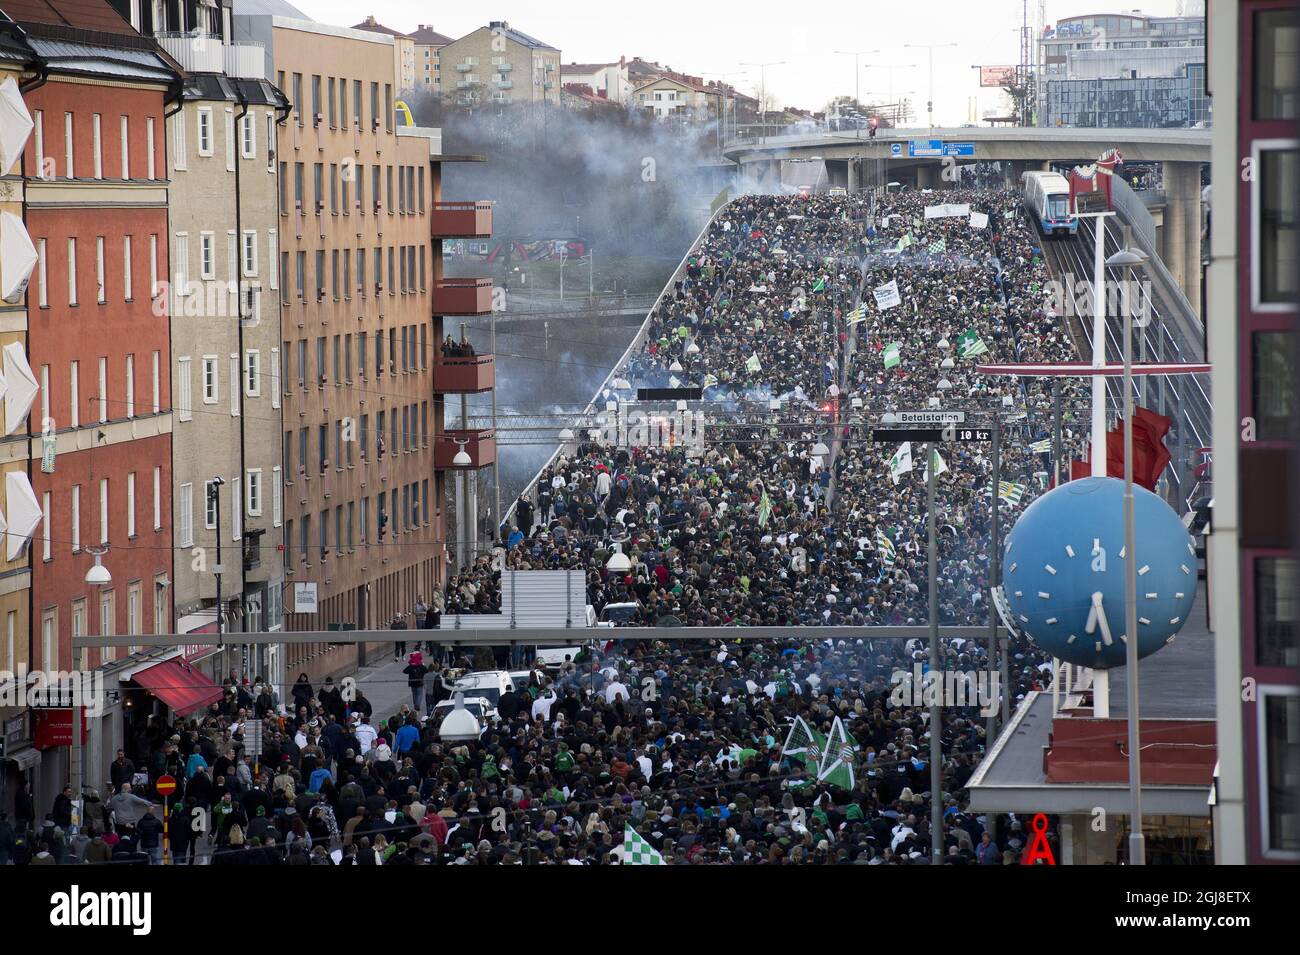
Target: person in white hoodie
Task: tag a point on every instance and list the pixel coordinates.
(542, 705)
(366, 734)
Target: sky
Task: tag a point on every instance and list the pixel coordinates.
(718, 37)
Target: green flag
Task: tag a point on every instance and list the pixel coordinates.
(891, 354)
(1042, 447)
(885, 548)
(1010, 492)
(753, 365)
(901, 462)
(938, 245)
(819, 285)
(764, 509)
(636, 851)
(940, 466)
(837, 765)
(969, 344)
(804, 745)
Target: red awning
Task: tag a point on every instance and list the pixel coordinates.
(181, 687)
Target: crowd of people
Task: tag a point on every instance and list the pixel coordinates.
(778, 520)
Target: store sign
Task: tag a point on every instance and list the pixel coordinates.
(304, 597)
(54, 728)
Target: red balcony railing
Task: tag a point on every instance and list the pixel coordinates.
(461, 376)
(479, 444)
(461, 220)
(465, 296)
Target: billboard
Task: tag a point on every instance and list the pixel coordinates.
(997, 75)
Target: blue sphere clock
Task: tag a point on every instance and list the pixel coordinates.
(1063, 572)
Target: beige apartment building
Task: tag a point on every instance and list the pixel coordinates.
(223, 237)
(428, 68)
(403, 52)
(499, 64)
(360, 232)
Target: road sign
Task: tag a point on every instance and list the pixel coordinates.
(927, 417)
(166, 785)
(895, 149)
(925, 147)
(922, 435)
(304, 597)
(959, 149)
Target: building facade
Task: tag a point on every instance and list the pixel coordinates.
(360, 287)
(607, 80)
(1253, 296)
(499, 64)
(404, 72)
(95, 198)
(428, 66)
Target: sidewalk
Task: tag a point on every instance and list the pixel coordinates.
(384, 685)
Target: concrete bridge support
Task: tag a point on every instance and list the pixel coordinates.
(1181, 231)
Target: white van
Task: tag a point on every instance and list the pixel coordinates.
(488, 684)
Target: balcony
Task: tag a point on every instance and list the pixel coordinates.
(504, 84)
(245, 61)
(466, 296)
(480, 445)
(467, 64)
(461, 220)
(196, 53)
(464, 376)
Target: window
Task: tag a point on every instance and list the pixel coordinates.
(253, 495)
(157, 381)
(234, 384)
(153, 265)
(76, 518)
(50, 638)
(186, 508)
(1277, 609)
(207, 255)
(149, 147)
(1277, 199)
(130, 386)
(67, 146)
(297, 98)
(210, 382)
(277, 497)
(130, 504)
(126, 268)
(97, 144)
(72, 271)
(1274, 385)
(133, 608)
(100, 296)
(247, 136)
(179, 157)
(45, 529)
(126, 148)
(74, 376)
(107, 614)
(103, 389)
(157, 499)
(1277, 46)
(184, 406)
(204, 114)
(315, 101)
(38, 123)
(249, 248)
(253, 373)
(1280, 731)
(103, 510)
(46, 423)
(273, 278)
(279, 376)
(210, 492)
(42, 286)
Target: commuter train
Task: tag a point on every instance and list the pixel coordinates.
(1047, 197)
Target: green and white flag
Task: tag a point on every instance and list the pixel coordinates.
(859, 314)
(804, 745)
(901, 462)
(1011, 492)
(753, 365)
(820, 284)
(938, 245)
(710, 380)
(764, 509)
(837, 765)
(969, 344)
(636, 851)
(940, 466)
(891, 355)
(885, 548)
(1041, 447)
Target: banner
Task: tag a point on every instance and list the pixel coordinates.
(901, 462)
(979, 220)
(887, 295)
(947, 210)
(997, 75)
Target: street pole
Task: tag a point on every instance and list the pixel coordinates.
(995, 571)
(214, 489)
(936, 676)
(1097, 454)
(929, 105)
(1137, 841)
(1056, 431)
(496, 472)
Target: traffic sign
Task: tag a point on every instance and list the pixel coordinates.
(166, 785)
(922, 435)
(895, 149)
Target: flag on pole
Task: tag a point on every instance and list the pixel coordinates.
(1042, 447)
(636, 851)
(901, 462)
(1011, 492)
(859, 314)
(891, 355)
(764, 509)
(804, 745)
(710, 379)
(753, 365)
(820, 284)
(885, 547)
(969, 344)
(940, 466)
(838, 758)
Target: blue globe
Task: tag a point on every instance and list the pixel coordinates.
(1069, 546)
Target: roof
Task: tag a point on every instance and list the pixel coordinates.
(273, 8)
(79, 14)
(690, 83)
(67, 56)
(426, 35)
(218, 86)
(510, 33)
(371, 25)
(585, 67)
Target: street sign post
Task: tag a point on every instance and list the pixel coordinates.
(165, 786)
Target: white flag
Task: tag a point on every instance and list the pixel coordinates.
(901, 462)
(887, 295)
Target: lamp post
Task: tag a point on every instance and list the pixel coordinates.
(929, 104)
(214, 498)
(891, 67)
(857, 75)
(1127, 259)
(762, 95)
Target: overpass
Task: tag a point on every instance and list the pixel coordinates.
(854, 161)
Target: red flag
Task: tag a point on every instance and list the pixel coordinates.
(1150, 456)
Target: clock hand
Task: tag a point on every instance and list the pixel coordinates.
(1101, 618)
(1091, 625)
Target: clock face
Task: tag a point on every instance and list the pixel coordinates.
(1063, 570)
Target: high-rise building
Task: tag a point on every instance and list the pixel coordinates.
(1123, 69)
(222, 289)
(1252, 344)
(362, 292)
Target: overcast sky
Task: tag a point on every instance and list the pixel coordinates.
(718, 36)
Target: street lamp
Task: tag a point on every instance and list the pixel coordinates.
(891, 67)
(98, 575)
(762, 104)
(857, 74)
(462, 458)
(619, 562)
(929, 104)
(1128, 259)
